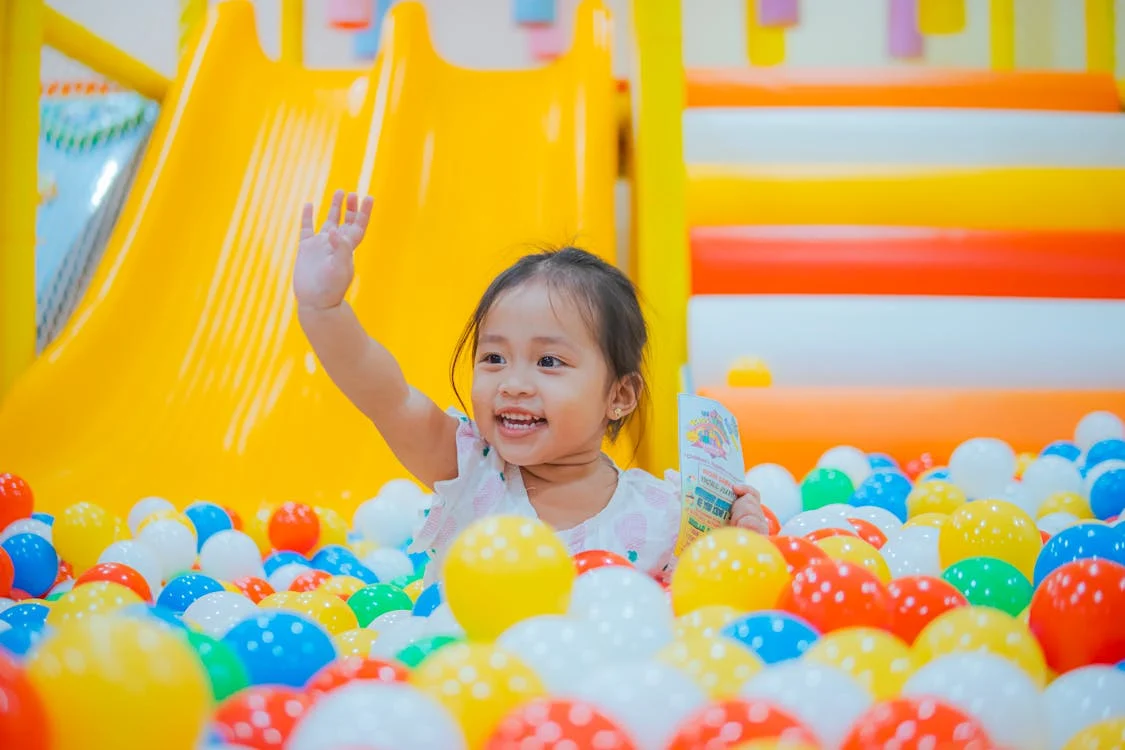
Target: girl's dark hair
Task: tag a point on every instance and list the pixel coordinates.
(605, 296)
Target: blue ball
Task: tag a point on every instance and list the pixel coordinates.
(18, 641)
(181, 591)
(942, 473)
(341, 561)
(46, 518)
(1104, 450)
(881, 461)
(1121, 665)
(208, 519)
(886, 489)
(429, 600)
(1107, 494)
(35, 561)
(420, 561)
(1083, 541)
(25, 615)
(1064, 448)
(773, 635)
(281, 648)
(284, 557)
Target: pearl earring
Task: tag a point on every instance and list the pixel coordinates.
(617, 413)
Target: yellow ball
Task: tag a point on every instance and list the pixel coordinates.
(168, 514)
(362, 548)
(414, 589)
(280, 600)
(117, 683)
(718, 666)
(355, 642)
(991, 528)
(504, 569)
(89, 599)
(1105, 735)
(82, 532)
(333, 528)
(1066, 502)
(934, 496)
(856, 551)
(878, 660)
(933, 520)
(341, 586)
(257, 527)
(706, 621)
(478, 683)
(982, 629)
(1023, 460)
(330, 611)
(729, 566)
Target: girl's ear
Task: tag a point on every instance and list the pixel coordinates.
(623, 397)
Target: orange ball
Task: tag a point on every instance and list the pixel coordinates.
(117, 573)
(253, 588)
(295, 527)
(309, 581)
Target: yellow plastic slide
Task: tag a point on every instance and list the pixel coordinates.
(184, 373)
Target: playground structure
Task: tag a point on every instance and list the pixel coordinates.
(183, 373)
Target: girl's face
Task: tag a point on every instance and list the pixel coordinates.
(542, 391)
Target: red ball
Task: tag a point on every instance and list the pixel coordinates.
(16, 500)
(799, 553)
(309, 581)
(117, 573)
(235, 519)
(352, 668)
(818, 534)
(599, 558)
(836, 595)
(773, 526)
(23, 722)
(733, 723)
(18, 595)
(295, 527)
(571, 723)
(261, 716)
(1044, 536)
(254, 589)
(869, 532)
(7, 572)
(66, 572)
(915, 466)
(917, 600)
(1077, 614)
(914, 724)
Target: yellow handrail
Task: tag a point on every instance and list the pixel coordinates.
(21, 25)
(81, 44)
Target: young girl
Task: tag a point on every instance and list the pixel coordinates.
(557, 344)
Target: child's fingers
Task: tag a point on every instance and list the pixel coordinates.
(364, 215)
(350, 205)
(333, 218)
(752, 522)
(307, 221)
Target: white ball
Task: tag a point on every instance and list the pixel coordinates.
(1082, 697)
(398, 635)
(1046, 476)
(629, 610)
(994, 690)
(172, 542)
(385, 620)
(1053, 523)
(883, 519)
(1097, 426)
(27, 526)
(64, 586)
(229, 555)
(367, 714)
(982, 467)
(390, 518)
(1015, 494)
(778, 489)
(139, 557)
(5, 602)
(649, 700)
(1096, 473)
(442, 622)
(826, 699)
(912, 551)
(388, 563)
(282, 578)
(561, 650)
(216, 613)
(814, 520)
(144, 508)
(852, 461)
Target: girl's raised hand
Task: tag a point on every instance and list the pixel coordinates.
(324, 268)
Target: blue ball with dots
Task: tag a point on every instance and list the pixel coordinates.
(1063, 448)
(278, 647)
(775, 636)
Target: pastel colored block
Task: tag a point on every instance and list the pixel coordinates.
(778, 12)
(905, 41)
(533, 12)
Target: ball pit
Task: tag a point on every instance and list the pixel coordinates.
(975, 606)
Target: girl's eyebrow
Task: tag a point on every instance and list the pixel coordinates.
(495, 338)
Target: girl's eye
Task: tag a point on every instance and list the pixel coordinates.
(492, 359)
(550, 361)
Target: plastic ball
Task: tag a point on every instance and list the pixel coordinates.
(869, 532)
(882, 461)
(887, 489)
(137, 556)
(554, 724)
(23, 722)
(988, 582)
(982, 466)
(181, 591)
(27, 526)
(108, 683)
(1047, 476)
(1066, 502)
(414, 589)
(852, 461)
(504, 569)
(357, 642)
(916, 723)
(34, 561)
(420, 650)
(82, 532)
(990, 528)
(826, 699)
(228, 554)
(370, 714)
(736, 722)
(225, 673)
(478, 684)
(171, 542)
(729, 566)
(145, 507)
(276, 560)
(208, 519)
(350, 669)
(806, 522)
(377, 599)
(339, 560)
(825, 487)
(1105, 735)
(562, 650)
(118, 573)
(719, 667)
(329, 611)
(983, 629)
(310, 580)
(837, 595)
(877, 660)
(1083, 698)
(262, 716)
(281, 648)
(798, 552)
(295, 527)
(990, 689)
(25, 615)
(7, 573)
(342, 586)
(773, 636)
(858, 552)
(397, 630)
(598, 558)
(934, 496)
(777, 488)
(392, 516)
(881, 518)
(283, 578)
(96, 598)
(254, 589)
(1097, 426)
(388, 563)
(917, 601)
(428, 600)
(706, 621)
(1064, 448)
(16, 499)
(1085, 541)
(333, 527)
(628, 609)
(216, 613)
(1076, 614)
(1107, 493)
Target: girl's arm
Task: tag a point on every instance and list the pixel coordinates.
(419, 433)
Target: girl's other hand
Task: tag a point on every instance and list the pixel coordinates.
(324, 268)
(747, 511)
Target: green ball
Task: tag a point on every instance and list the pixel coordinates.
(377, 599)
(416, 653)
(988, 582)
(824, 487)
(404, 581)
(225, 670)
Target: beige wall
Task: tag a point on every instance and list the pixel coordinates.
(479, 33)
